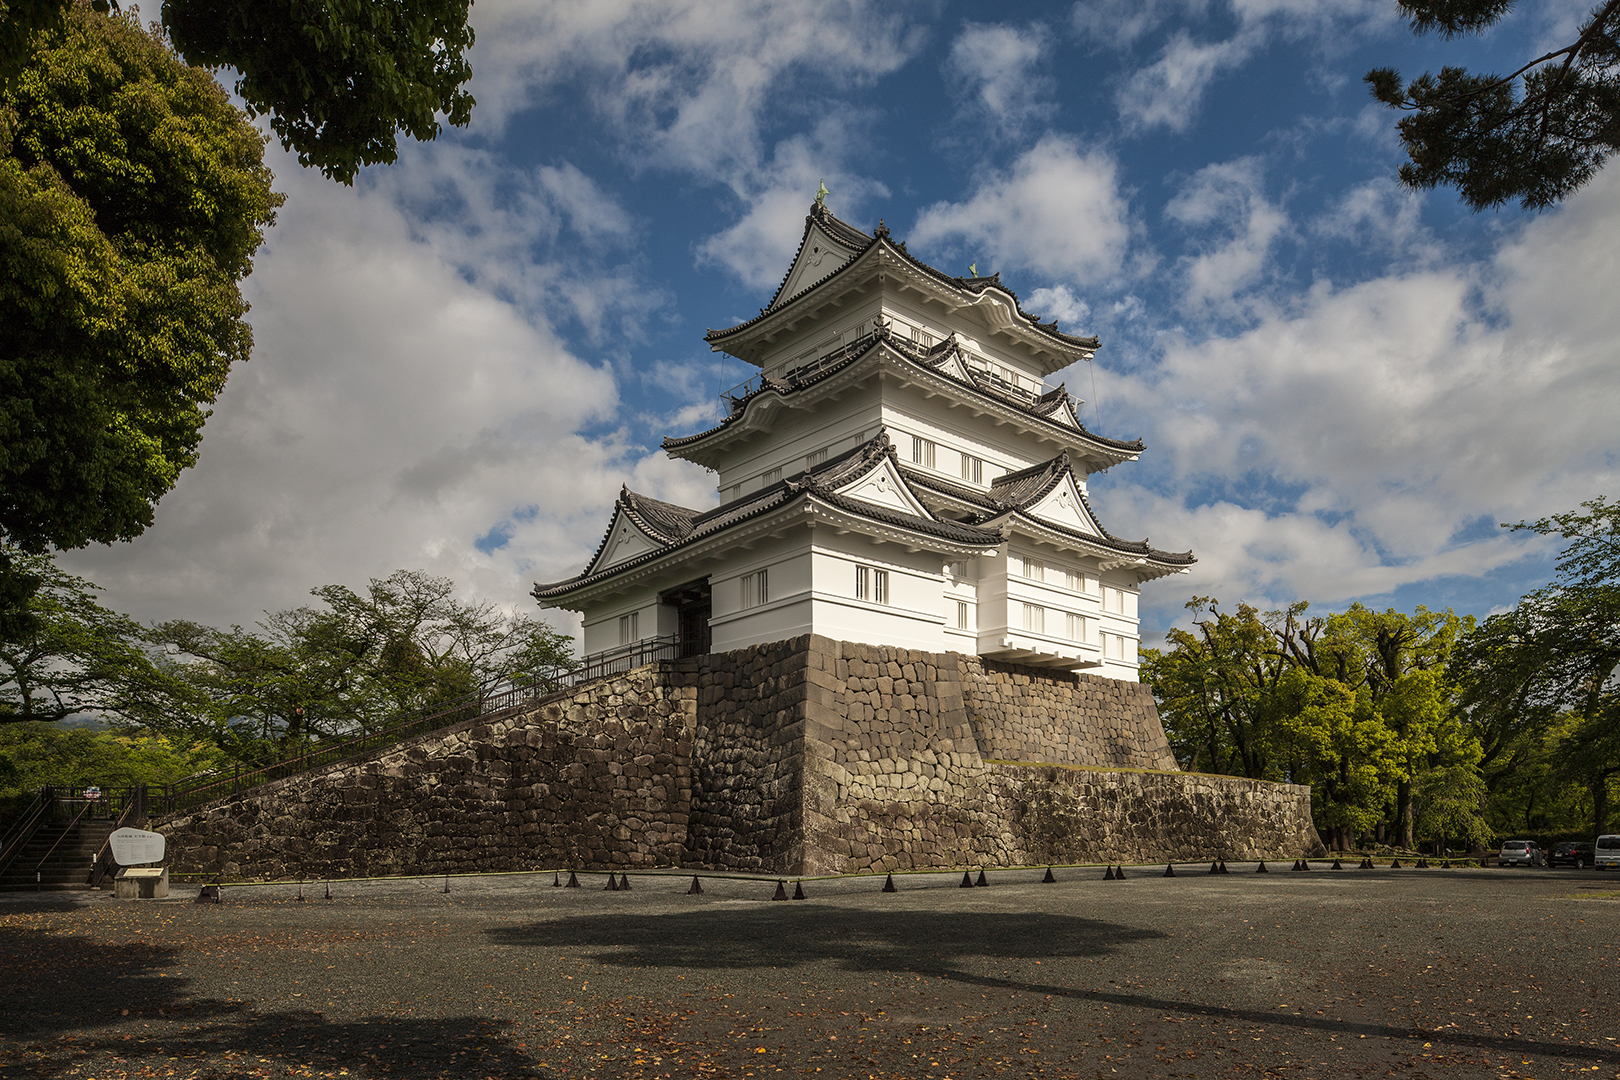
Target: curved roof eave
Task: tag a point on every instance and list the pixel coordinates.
(1118, 447)
(975, 287)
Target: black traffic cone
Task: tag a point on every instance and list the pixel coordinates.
(1261, 869)
(1109, 874)
(1423, 864)
(1445, 864)
(556, 881)
(1395, 864)
(1048, 879)
(1224, 870)
(1366, 863)
(1119, 873)
(798, 890)
(1169, 870)
(1304, 865)
(612, 885)
(888, 884)
(981, 880)
(696, 889)
(1336, 865)
(781, 891)
(1214, 868)
(624, 882)
(1295, 868)
(967, 880)
(573, 882)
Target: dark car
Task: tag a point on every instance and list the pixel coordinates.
(1574, 853)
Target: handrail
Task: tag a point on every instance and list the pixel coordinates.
(41, 864)
(134, 806)
(23, 829)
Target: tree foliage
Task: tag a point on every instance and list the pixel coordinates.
(339, 79)
(351, 663)
(1534, 135)
(133, 196)
(80, 658)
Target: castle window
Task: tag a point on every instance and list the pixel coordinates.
(1034, 569)
(1035, 618)
(629, 631)
(1075, 627)
(771, 476)
(871, 585)
(964, 615)
(1073, 579)
(815, 457)
(972, 469)
(755, 589)
(923, 451)
(1113, 600)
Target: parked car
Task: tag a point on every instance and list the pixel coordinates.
(1607, 853)
(1576, 853)
(1520, 853)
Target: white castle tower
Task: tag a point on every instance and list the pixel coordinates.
(897, 474)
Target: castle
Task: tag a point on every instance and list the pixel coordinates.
(898, 472)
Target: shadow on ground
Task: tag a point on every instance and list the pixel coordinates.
(782, 936)
(66, 1002)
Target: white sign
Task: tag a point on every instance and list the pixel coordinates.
(132, 847)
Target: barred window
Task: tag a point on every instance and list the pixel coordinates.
(972, 469)
(871, 584)
(964, 615)
(1034, 569)
(629, 632)
(815, 457)
(755, 589)
(1035, 618)
(772, 476)
(1076, 627)
(923, 451)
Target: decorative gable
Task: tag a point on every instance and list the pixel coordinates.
(1064, 506)
(819, 256)
(625, 541)
(884, 487)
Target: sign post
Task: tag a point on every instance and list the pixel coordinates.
(132, 850)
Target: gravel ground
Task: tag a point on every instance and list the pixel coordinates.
(1411, 973)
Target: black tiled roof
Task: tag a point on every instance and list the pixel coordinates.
(816, 483)
(844, 232)
(1040, 408)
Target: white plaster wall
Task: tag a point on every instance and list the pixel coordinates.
(836, 427)
(602, 620)
(787, 611)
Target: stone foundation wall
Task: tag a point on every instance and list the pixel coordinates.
(1037, 714)
(804, 756)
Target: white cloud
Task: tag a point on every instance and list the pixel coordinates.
(393, 411)
(1056, 211)
(685, 85)
(759, 246)
(1059, 302)
(1168, 92)
(1229, 200)
(1117, 24)
(993, 68)
(1399, 408)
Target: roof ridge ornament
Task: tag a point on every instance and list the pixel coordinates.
(821, 194)
(882, 231)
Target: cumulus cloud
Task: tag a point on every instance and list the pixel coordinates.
(393, 411)
(993, 69)
(684, 85)
(1168, 92)
(1396, 409)
(1226, 201)
(1059, 302)
(1057, 211)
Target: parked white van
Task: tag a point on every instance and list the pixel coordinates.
(1607, 852)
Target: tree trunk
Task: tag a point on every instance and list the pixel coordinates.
(1403, 813)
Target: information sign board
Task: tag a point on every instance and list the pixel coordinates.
(132, 847)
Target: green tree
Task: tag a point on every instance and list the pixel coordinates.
(133, 196)
(33, 755)
(79, 658)
(1534, 135)
(352, 663)
(339, 79)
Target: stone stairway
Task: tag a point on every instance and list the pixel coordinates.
(59, 854)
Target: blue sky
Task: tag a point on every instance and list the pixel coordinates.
(1344, 386)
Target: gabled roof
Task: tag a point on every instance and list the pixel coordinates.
(846, 234)
(846, 240)
(1017, 497)
(945, 360)
(830, 484)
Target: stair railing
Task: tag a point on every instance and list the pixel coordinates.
(41, 864)
(22, 830)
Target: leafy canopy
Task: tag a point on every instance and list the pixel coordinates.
(133, 196)
(1535, 135)
(339, 79)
